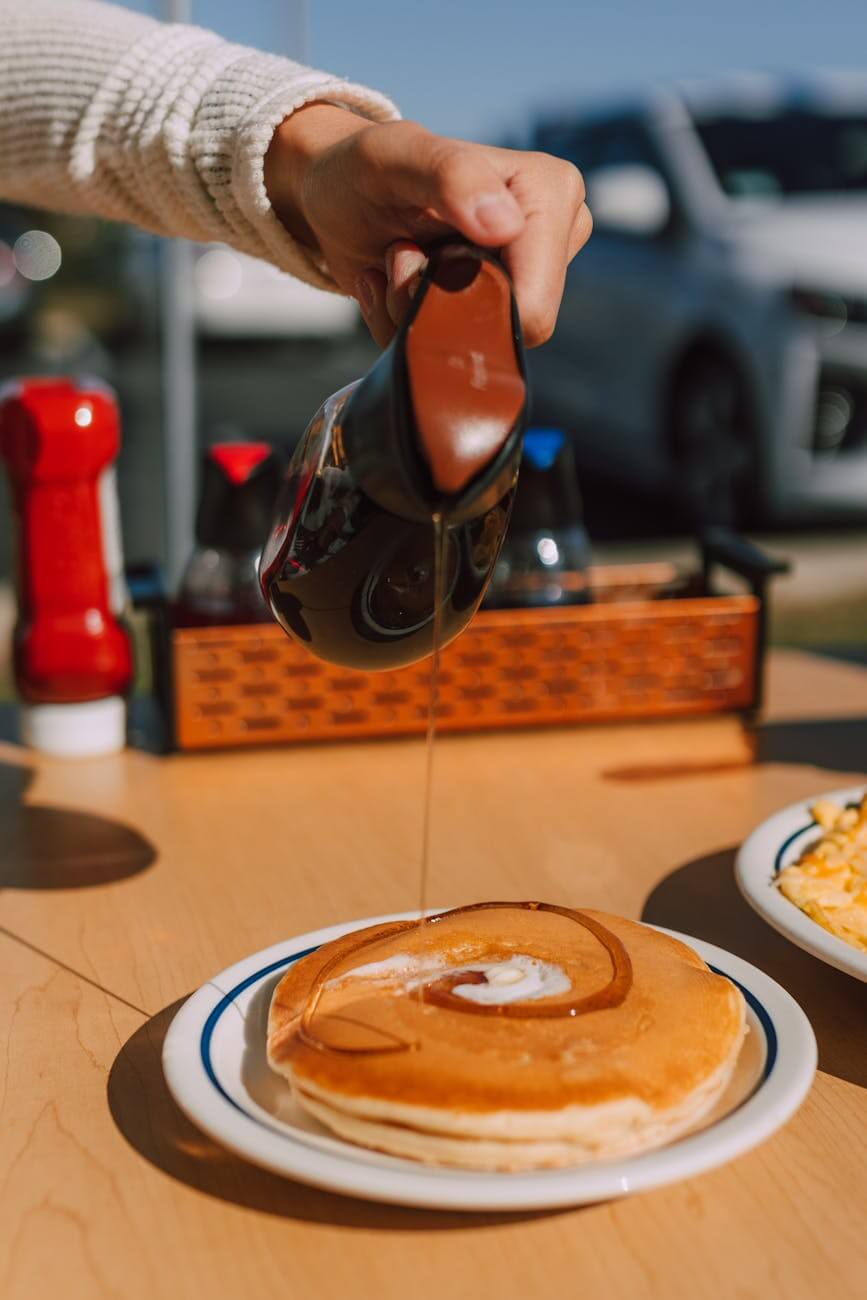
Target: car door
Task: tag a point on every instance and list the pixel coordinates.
(604, 363)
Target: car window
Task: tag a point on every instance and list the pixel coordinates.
(793, 152)
(577, 144)
(624, 143)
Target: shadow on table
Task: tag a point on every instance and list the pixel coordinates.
(43, 847)
(701, 898)
(835, 744)
(143, 1110)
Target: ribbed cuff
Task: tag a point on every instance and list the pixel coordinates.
(246, 105)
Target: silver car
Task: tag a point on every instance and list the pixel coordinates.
(712, 344)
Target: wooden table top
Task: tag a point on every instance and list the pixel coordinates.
(127, 882)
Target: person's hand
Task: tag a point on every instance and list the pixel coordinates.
(370, 196)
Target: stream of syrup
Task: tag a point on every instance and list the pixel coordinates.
(439, 992)
(440, 541)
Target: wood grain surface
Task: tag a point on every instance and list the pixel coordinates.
(127, 882)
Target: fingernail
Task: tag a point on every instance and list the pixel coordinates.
(406, 264)
(497, 213)
(364, 294)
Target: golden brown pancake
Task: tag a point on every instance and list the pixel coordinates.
(593, 1042)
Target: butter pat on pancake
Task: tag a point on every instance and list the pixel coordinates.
(384, 1065)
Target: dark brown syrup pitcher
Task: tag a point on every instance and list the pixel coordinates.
(434, 428)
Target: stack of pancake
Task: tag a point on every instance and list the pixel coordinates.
(506, 1036)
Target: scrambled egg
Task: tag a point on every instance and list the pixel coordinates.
(829, 880)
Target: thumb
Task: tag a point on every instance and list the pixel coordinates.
(458, 182)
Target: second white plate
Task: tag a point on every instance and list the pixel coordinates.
(775, 844)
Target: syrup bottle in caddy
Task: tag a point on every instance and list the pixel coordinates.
(220, 586)
(72, 660)
(546, 557)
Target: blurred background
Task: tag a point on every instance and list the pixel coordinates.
(710, 364)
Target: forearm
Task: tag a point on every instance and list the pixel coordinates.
(108, 112)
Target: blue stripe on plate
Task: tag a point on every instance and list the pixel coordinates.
(781, 851)
(225, 1002)
(764, 1018)
(786, 844)
(761, 1012)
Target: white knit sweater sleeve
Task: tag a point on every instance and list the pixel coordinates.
(108, 112)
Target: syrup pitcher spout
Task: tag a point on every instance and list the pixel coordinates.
(433, 429)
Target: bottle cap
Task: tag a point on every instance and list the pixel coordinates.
(75, 730)
(240, 482)
(542, 447)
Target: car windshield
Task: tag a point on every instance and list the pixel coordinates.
(793, 152)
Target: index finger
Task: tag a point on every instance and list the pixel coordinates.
(557, 225)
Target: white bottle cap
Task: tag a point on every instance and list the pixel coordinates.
(75, 730)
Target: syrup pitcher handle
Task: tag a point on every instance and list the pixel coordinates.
(436, 425)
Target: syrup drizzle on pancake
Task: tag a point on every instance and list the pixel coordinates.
(438, 992)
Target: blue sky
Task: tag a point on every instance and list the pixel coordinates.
(476, 68)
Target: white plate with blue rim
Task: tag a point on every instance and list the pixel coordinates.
(215, 1065)
(775, 844)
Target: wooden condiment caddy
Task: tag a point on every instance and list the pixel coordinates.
(652, 644)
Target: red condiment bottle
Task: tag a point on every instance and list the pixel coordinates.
(72, 656)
